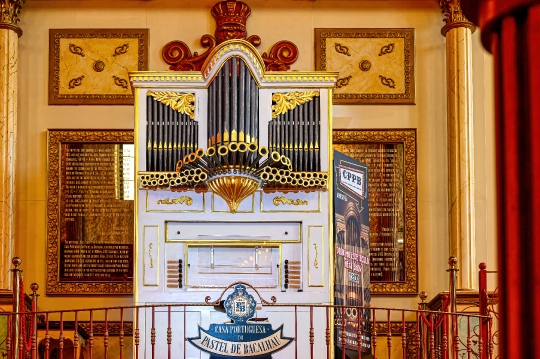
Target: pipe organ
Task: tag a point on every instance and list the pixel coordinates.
(233, 181)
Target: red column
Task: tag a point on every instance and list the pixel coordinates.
(511, 32)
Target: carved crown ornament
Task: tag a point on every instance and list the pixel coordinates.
(453, 16)
(9, 14)
(231, 18)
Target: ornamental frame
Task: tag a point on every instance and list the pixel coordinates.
(82, 72)
(373, 64)
(55, 139)
(354, 138)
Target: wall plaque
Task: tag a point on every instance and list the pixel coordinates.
(375, 65)
(90, 66)
(90, 212)
(391, 159)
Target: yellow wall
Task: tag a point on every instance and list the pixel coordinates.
(272, 21)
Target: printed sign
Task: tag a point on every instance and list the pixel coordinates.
(240, 339)
(352, 261)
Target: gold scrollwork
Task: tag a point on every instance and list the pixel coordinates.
(288, 101)
(9, 12)
(387, 81)
(284, 200)
(342, 49)
(181, 102)
(179, 200)
(387, 49)
(77, 81)
(120, 82)
(77, 50)
(122, 49)
(316, 261)
(343, 82)
(150, 246)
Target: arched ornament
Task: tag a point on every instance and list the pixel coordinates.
(228, 49)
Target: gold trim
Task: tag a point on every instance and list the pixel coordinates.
(150, 247)
(239, 244)
(184, 103)
(54, 140)
(136, 205)
(175, 210)
(318, 210)
(408, 138)
(316, 261)
(322, 257)
(330, 169)
(231, 241)
(9, 15)
(288, 101)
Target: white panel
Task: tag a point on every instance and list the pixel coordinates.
(167, 201)
(316, 256)
(291, 202)
(246, 206)
(150, 255)
(274, 231)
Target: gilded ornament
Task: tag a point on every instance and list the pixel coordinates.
(343, 82)
(233, 189)
(387, 49)
(77, 81)
(387, 81)
(288, 101)
(120, 82)
(342, 49)
(98, 66)
(77, 50)
(316, 261)
(181, 102)
(150, 246)
(453, 16)
(10, 10)
(284, 200)
(180, 200)
(365, 65)
(122, 49)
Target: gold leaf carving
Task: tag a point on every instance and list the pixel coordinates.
(451, 10)
(181, 102)
(10, 11)
(77, 81)
(288, 101)
(180, 200)
(284, 200)
(120, 82)
(342, 49)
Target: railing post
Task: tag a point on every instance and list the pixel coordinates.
(483, 306)
(422, 347)
(452, 308)
(16, 261)
(34, 287)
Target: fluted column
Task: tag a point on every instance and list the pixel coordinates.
(461, 212)
(9, 39)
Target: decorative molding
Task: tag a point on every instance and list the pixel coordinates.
(188, 201)
(112, 59)
(288, 101)
(453, 16)
(231, 18)
(181, 102)
(348, 139)
(284, 200)
(9, 15)
(370, 55)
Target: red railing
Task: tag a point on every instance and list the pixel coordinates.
(161, 331)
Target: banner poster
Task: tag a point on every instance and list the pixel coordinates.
(352, 266)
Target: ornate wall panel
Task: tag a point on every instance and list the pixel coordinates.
(375, 65)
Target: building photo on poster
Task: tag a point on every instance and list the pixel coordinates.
(352, 263)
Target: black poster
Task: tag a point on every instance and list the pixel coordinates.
(352, 265)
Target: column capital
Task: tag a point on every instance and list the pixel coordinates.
(9, 15)
(453, 16)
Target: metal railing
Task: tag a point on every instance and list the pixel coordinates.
(162, 331)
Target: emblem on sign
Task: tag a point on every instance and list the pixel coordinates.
(240, 338)
(354, 180)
